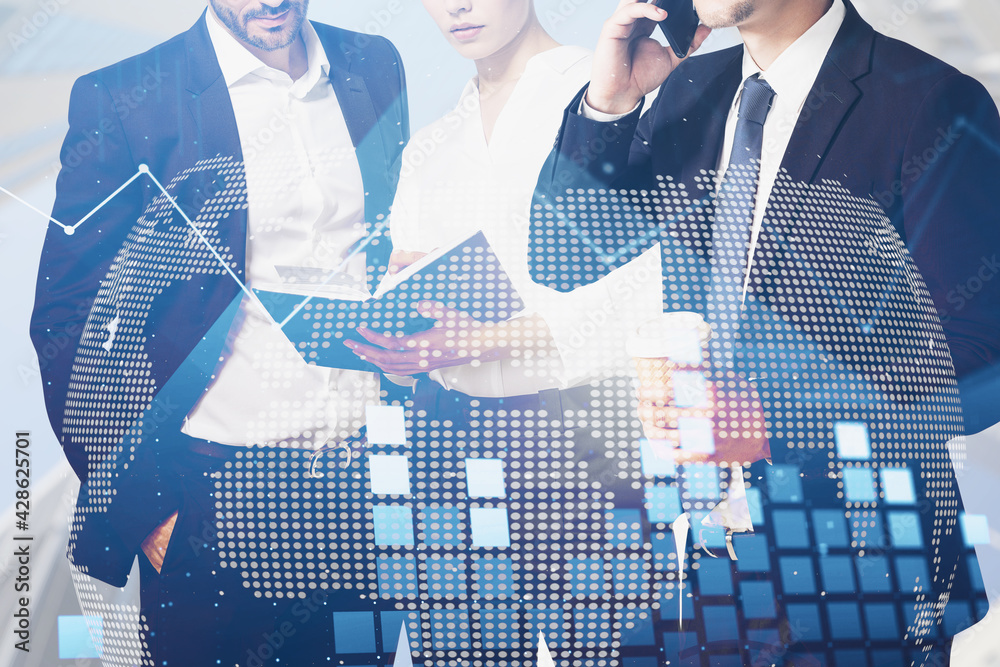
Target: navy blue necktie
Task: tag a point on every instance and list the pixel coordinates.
(734, 214)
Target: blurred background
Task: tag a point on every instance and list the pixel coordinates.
(46, 44)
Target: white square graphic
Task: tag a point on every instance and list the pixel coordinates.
(484, 478)
(390, 474)
(386, 424)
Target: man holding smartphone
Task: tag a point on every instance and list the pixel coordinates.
(815, 106)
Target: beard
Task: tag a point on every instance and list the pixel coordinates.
(737, 13)
(267, 40)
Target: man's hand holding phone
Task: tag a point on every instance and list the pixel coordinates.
(628, 63)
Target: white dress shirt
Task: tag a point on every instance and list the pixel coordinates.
(454, 183)
(305, 211)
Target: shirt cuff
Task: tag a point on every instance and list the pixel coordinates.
(590, 113)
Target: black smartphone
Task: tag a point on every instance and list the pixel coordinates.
(680, 25)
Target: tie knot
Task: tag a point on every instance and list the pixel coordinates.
(756, 100)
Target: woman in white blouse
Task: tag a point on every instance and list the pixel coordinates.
(475, 169)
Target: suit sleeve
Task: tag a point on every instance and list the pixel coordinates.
(575, 243)
(95, 162)
(952, 219)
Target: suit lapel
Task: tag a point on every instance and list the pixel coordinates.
(214, 123)
(365, 128)
(833, 97)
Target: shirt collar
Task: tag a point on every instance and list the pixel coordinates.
(794, 71)
(237, 62)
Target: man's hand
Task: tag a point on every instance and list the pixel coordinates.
(734, 408)
(628, 63)
(155, 545)
(455, 339)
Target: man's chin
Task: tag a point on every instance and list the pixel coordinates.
(272, 40)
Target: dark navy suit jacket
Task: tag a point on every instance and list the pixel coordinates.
(882, 119)
(168, 109)
(896, 129)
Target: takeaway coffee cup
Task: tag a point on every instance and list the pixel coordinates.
(666, 343)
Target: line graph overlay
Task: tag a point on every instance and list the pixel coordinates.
(144, 170)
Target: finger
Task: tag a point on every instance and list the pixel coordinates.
(388, 361)
(682, 457)
(700, 35)
(386, 341)
(655, 394)
(622, 22)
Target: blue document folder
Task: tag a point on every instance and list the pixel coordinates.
(466, 276)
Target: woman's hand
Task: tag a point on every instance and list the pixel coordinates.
(455, 339)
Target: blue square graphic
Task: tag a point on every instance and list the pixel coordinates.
(80, 637)
(446, 576)
(911, 575)
(853, 442)
(657, 458)
(715, 576)
(390, 474)
(442, 525)
(713, 537)
(624, 528)
(484, 478)
(798, 576)
(804, 622)
(663, 503)
(493, 577)
(845, 622)
(549, 621)
(897, 486)
(720, 624)
(489, 527)
(830, 528)
(755, 504)
(702, 481)
(629, 576)
(753, 554)
(859, 485)
(758, 599)
(397, 575)
(784, 484)
(873, 573)
(790, 529)
(449, 629)
(393, 525)
(593, 626)
(975, 529)
(880, 621)
(837, 574)
(588, 577)
(499, 628)
(354, 631)
(636, 627)
(905, 530)
(392, 625)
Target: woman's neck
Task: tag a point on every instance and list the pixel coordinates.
(505, 67)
